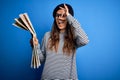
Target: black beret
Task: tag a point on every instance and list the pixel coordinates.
(62, 5)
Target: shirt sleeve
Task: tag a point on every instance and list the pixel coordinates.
(80, 36)
(41, 50)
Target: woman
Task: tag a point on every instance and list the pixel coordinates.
(59, 46)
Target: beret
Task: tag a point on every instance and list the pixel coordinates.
(62, 5)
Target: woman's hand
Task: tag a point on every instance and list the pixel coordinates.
(65, 9)
(34, 41)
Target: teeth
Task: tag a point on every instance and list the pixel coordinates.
(60, 22)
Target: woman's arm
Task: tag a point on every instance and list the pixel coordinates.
(40, 52)
(81, 36)
(40, 49)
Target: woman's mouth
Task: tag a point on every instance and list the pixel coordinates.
(61, 21)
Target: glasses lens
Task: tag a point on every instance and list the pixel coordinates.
(60, 15)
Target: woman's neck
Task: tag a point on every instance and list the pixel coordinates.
(62, 31)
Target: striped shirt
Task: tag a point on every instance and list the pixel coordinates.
(58, 65)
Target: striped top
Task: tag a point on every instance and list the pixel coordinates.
(58, 65)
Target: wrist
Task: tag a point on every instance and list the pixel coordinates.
(67, 14)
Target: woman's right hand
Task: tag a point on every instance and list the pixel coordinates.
(34, 41)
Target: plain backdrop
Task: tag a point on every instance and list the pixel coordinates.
(100, 19)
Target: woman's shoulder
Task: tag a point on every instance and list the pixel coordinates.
(47, 34)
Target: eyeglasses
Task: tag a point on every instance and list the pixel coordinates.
(60, 15)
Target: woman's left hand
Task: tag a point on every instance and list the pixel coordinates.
(65, 9)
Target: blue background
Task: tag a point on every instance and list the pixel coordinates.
(99, 60)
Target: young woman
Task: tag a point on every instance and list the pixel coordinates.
(59, 45)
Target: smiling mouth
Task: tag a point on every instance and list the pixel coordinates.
(61, 21)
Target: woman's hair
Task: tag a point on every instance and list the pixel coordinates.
(69, 37)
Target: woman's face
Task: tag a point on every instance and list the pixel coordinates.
(61, 20)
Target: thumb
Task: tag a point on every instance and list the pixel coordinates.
(35, 40)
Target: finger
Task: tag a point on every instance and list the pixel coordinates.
(34, 39)
(66, 7)
(62, 8)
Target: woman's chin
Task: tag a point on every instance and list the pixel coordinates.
(61, 28)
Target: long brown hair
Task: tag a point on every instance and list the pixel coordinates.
(69, 39)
